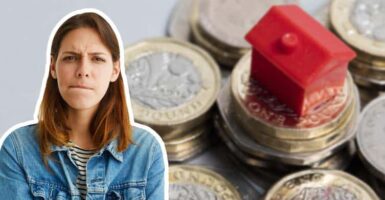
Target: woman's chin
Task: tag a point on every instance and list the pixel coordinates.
(82, 105)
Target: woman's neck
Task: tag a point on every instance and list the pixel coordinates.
(80, 121)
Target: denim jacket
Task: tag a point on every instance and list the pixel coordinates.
(136, 173)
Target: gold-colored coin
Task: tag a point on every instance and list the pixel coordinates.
(247, 144)
(173, 84)
(182, 156)
(348, 18)
(311, 145)
(188, 141)
(258, 111)
(196, 183)
(321, 184)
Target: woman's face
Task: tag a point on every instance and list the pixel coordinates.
(83, 69)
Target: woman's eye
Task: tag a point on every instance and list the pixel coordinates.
(99, 59)
(69, 58)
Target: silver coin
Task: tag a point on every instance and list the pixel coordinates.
(368, 17)
(178, 24)
(247, 144)
(371, 136)
(163, 80)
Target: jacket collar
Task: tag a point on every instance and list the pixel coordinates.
(110, 147)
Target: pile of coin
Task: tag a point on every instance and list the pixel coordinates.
(173, 86)
(360, 24)
(220, 26)
(370, 140)
(195, 182)
(261, 132)
(180, 25)
(190, 144)
(320, 184)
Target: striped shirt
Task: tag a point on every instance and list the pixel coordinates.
(81, 156)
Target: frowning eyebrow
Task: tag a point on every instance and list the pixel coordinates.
(91, 53)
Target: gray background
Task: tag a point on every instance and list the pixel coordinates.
(25, 29)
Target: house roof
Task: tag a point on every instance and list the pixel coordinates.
(297, 44)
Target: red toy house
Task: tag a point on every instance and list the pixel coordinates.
(297, 59)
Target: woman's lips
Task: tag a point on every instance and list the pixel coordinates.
(80, 87)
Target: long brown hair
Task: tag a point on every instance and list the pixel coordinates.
(111, 119)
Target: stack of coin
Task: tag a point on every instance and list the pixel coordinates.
(360, 24)
(173, 86)
(220, 26)
(195, 182)
(263, 133)
(191, 143)
(178, 26)
(370, 139)
(320, 184)
(274, 125)
(179, 23)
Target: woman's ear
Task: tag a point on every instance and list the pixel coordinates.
(52, 68)
(115, 71)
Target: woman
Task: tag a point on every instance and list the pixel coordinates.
(83, 144)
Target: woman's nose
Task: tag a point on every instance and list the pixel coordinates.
(83, 70)
(80, 74)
